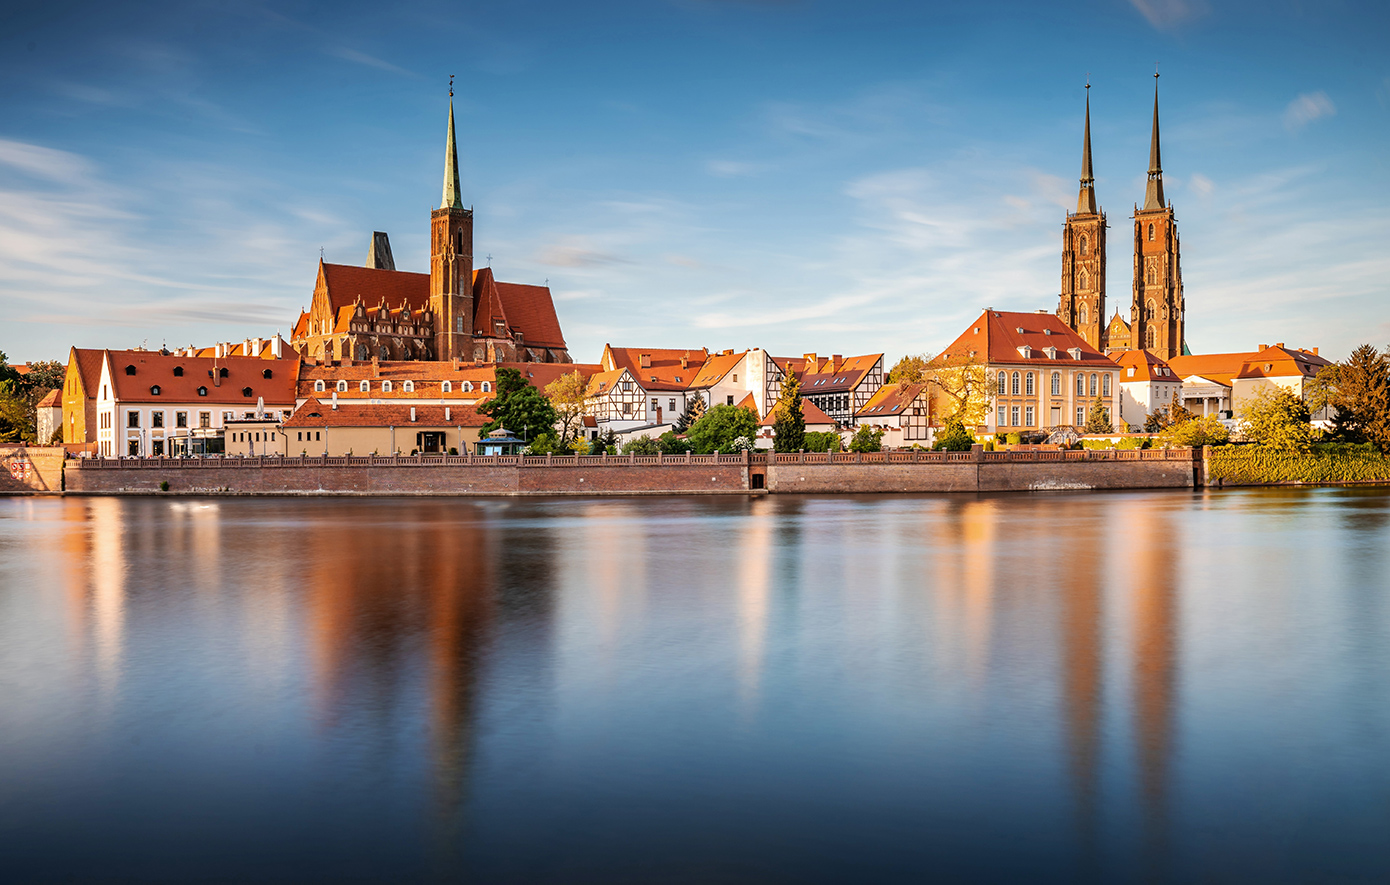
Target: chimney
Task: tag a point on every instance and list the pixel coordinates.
(335, 398)
(729, 352)
(412, 414)
(835, 362)
(376, 367)
(1280, 344)
(446, 414)
(811, 362)
(456, 364)
(1315, 351)
(685, 360)
(1263, 346)
(277, 346)
(644, 360)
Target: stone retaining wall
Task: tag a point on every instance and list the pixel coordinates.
(30, 469)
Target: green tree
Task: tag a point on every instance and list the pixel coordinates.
(1276, 418)
(1098, 419)
(827, 441)
(1195, 432)
(1358, 390)
(670, 444)
(694, 408)
(866, 439)
(1156, 421)
(17, 420)
(720, 426)
(518, 407)
(43, 376)
(789, 424)
(641, 445)
(954, 437)
(544, 444)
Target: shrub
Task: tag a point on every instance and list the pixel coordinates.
(670, 444)
(1208, 431)
(1278, 419)
(954, 437)
(164, 485)
(866, 439)
(453, 451)
(719, 426)
(1324, 463)
(828, 441)
(1013, 439)
(642, 445)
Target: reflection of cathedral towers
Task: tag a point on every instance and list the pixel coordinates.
(1156, 317)
(1082, 304)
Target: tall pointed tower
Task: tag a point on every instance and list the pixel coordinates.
(451, 261)
(1156, 317)
(1082, 304)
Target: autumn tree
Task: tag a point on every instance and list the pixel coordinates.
(569, 396)
(694, 408)
(1279, 419)
(960, 380)
(1358, 390)
(911, 369)
(789, 424)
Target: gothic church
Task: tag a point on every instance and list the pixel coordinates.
(1156, 317)
(454, 312)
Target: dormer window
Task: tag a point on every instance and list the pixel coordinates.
(1047, 331)
(130, 370)
(487, 388)
(154, 391)
(446, 387)
(1075, 352)
(246, 391)
(1025, 351)
(178, 371)
(386, 387)
(222, 372)
(202, 391)
(408, 386)
(318, 386)
(266, 373)
(467, 387)
(1051, 352)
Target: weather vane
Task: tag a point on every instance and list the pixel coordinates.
(1155, 70)
(451, 85)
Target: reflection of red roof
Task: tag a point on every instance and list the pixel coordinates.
(314, 413)
(663, 369)
(998, 337)
(154, 369)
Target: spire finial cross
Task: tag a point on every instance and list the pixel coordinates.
(451, 85)
(1088, 79)
(1155, 70)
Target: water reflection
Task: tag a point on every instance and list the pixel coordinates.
(804, 688)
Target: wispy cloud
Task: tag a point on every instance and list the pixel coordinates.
(575, 252)
(1168, 14)
(1306, 108)
(733, 168)
(371, 61)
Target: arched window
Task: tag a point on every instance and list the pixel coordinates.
(1081, 283)
(1028, 384)
(318, 386)
(467, 386)
(178, 371)
(1013, 384)
(1083, 246)
(246, 391)
(1150, 337)
(1056, 383)
(1081, 316)
(1151, 233)
(1105, 384)
(1094, 381)
(999, 384)
(203, 391)
(446, 387)
(386, 387)
(1152, 307)
(408, 387)
(342, 387)
(487, 388)
(1080, 384)
(154, 390)
(364, 386)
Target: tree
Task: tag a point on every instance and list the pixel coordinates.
(17, 421)
(43, 376)
(1195, 432)
(1156, 421)
(789, 424)
(1098, 419)
(954, 437)
(641, 445)
(961, 381)
(828, 441)
(1177, 413)
(518, 407)
(543, 444)
(694, 408)
(720, 426)
(1276, 418)
(569, 396)
(1358, 390)
(911, 369)
(670, 444)
(606, 442)
(866, 439)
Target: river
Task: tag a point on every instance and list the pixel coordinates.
(1121, 686)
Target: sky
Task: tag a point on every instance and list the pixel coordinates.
(798, 176)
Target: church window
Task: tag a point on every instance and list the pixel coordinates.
(446, 387)
(318, 387)
(1083, 250)
(1150, 337)
(1056, 383)
(1082, 284)
(1105, 384)
(1151, 233)
(342, 387)
(487, 388)
(999, 384)
(1028, 384)
(1093, 384)
(1013, 384)
(1081, 317)
(364, 386)
(458, 324)
(408, 387)
(1152, 307)
(386, 387)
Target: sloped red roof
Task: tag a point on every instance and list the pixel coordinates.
(996, 337)
(1146, 366)
(89, 367)
(315, 413)
(427, 377)
(890, 400)
(810, 413)
(829, 377)
(530, 309)
(716, 367)
(156, 369)
(664, 370)
(1274, 361)
(345, 282)
(51, 400)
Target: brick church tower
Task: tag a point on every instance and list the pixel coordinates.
(1082, 305)
(451, 262)
(1156, 318)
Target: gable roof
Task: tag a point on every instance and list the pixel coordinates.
(427, 377)
(810, 413)
(89, 367)
(890, 400)
(345, 283)
(830, 376)
(313, 413)
(1273, 361)
(602, 383)
(154, 369)
(1146, 366)
(996, 337)
(716, 367)
(51, 400)
(663, 365)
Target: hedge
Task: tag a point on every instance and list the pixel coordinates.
(1256, 465)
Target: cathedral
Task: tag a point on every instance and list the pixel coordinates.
(454, 312)
(1156, 316)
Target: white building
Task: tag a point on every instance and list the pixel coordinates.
(1147, 385)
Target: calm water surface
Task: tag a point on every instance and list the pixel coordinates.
(1083, 687)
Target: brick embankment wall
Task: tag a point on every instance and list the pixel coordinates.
(856, 478)
(31, 469)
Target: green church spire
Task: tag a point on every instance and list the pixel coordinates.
(1153, 194)
(452, 196)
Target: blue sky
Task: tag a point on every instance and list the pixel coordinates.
(799, 176)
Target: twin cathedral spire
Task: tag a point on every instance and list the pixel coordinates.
(1156, 318)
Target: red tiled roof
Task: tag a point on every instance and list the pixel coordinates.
(1146, 366)
(344, 283)
(890, 400)
(664, 365)
(829, 377)
(1275, 361)
(715, 368)
(156, 369)
(89, 367)
(810, 413)
(749, 403)
(51, 400)
(314, 413)
(427, 377)
(996, 336)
